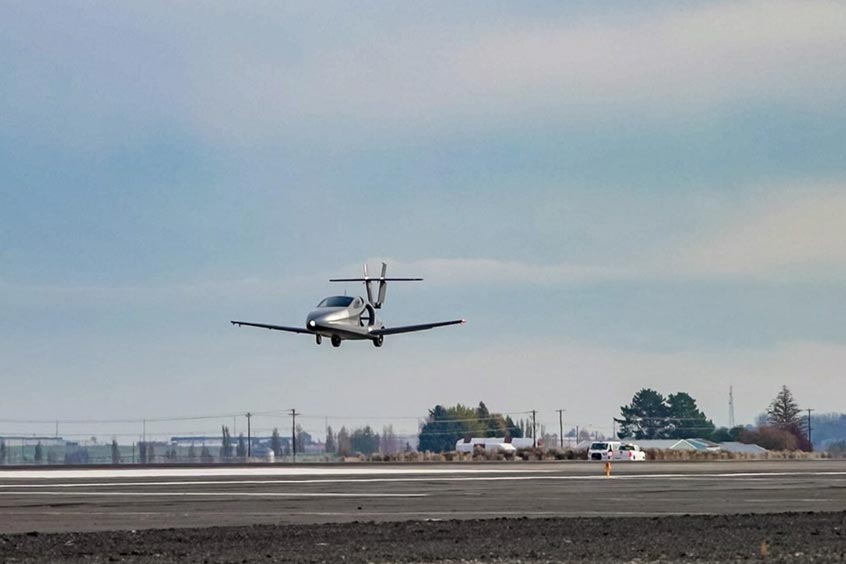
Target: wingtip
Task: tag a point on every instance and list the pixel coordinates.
(463, 321)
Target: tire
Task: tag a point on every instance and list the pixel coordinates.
(336, 341)
(377, 342)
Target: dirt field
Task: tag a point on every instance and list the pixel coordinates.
(785, 537)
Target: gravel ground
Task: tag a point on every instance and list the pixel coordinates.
(783, 537)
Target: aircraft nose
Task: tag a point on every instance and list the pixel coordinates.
(315, 321)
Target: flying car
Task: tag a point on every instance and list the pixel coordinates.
(347, 318)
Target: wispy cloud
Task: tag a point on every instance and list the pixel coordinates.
(494, 272)
(660, 62)
(407, 70)
(803, 236)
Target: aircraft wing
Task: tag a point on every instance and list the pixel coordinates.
(412, 328)
(274, 327)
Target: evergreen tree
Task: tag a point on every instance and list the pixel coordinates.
(647, 417)
(685, 418)
(783, 411)
(241, 450)
(39, 453)
(512, 430)
(2, 451)
(115, 452)
(330, 446)
(364, 440)
(445, 427)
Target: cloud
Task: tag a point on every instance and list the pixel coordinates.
(121, 70)
(490, 271)
(802, 236)
(660, 62)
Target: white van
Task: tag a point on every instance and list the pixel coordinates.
(603, 450)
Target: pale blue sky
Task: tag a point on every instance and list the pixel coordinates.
(614, 196)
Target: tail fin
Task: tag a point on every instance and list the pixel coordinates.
(383, 284)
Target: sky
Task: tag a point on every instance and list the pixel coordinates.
(615, 196)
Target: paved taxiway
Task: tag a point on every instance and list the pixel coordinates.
(136, 498)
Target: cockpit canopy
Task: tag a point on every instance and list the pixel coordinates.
(336, 301)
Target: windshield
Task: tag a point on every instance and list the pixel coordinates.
(336, 301)
(627, 447)
(599, 446)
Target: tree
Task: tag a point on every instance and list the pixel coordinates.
(115, 452)
(783, 411)
(512, 430)
(241, 450)
(685, 418)
(446, 426)
(276, 443)
(344, 444)
(303, 439)
(389, 442)
(205, 455)
(364, 440)
(226, 443)
(770, 438)
(725, 435)
(646, 417)
(192, 453)
(39, 453)
(330, 446)
(142, 452)
(2, 451)
(151, 454)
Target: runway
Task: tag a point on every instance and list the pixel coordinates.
(48, 500)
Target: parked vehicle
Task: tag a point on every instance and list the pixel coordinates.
(603, 450)
(630, 452)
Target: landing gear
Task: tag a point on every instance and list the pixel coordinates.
(318, 339)
(336, 341)
(377, 342)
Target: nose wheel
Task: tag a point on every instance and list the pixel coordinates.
(318, 339)
(336, 341)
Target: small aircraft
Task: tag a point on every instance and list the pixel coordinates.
(342, 318)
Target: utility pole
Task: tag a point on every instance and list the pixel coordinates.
(294, 433)
(731, 407)
(810, 442)
(249, 436)
(534, 431)
(561, 426)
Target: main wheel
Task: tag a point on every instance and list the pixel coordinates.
(377, 342)
(336, 341)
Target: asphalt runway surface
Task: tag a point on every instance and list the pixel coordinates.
(136, 498)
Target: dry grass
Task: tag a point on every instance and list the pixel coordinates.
(569, 454)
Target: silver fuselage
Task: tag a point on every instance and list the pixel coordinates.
(353, 322)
